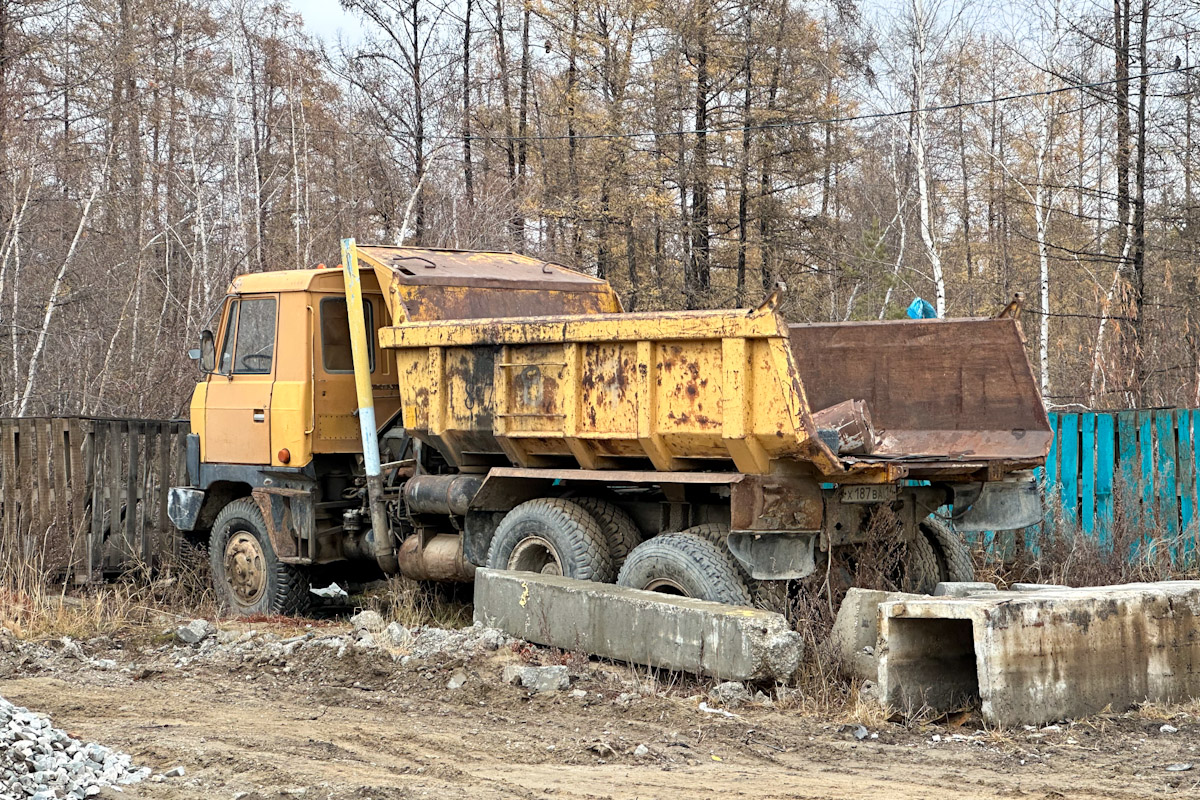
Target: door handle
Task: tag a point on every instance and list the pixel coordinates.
(260, 415)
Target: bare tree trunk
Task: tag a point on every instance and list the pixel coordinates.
(697, 281)
(744, 165)
(468, 170)
(921, 123)
(52, 303)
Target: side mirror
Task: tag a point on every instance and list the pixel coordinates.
(207, 354)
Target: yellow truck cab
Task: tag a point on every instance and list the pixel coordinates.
(424, 412)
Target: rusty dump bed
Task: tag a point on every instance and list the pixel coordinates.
(715, 390)
(953, 390)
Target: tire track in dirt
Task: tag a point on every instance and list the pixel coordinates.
(416, 740)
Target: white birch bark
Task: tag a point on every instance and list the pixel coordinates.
(920, 118)
(52, 303)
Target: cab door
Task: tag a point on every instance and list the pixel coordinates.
(237, 426)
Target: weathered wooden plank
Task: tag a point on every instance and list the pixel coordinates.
(130, 489)
(44, 515)
(78, 454)
(163, 470)
(60, 458)
(1167, 499)
(146, 504)
(8, 471)
(1105, 443)
(115, 484)
(101, 433)
(1069, 467)
(26, 483)
(1087, 474)
(1145, 475)
(1186, 474)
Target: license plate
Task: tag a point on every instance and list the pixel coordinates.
(868, 493)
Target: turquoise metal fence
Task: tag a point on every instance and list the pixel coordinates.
(1135, 466)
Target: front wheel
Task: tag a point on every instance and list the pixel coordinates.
(248, 577)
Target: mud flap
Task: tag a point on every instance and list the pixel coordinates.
(775, 556)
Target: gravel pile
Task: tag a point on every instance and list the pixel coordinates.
(41, 762)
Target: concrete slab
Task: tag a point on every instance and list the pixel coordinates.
(648, 628)
(962, 588)
(855, 631)
(1042, 655)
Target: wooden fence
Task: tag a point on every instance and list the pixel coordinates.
(81, 497)
(1136, 469)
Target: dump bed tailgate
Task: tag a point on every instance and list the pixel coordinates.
(955, 390)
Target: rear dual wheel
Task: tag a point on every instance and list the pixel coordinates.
(552, 536)
(687, 564)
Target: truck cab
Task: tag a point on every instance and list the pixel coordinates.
(279, 384)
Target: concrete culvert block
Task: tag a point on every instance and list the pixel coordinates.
(962, 588)
(855, 631)
(728, 642)
(1036, 656)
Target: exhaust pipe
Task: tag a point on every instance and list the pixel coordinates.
(435, 558)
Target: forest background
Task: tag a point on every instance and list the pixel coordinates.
(693, 153)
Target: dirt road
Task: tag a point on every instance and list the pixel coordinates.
(359, 725)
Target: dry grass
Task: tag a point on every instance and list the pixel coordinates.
(33, 605)
(1134, 549)
(412, 603)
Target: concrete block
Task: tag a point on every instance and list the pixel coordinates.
(962, 588)
(1036, 587)
(648, 628)
(1037, 656)
(855, 632)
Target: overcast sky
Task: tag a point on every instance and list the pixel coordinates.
(326, 19)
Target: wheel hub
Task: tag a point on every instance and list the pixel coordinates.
(244, 568)
(535, 554)
(666, 586)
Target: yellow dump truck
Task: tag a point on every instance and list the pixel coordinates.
(424, 412)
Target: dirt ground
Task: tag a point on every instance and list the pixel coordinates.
(361, 725)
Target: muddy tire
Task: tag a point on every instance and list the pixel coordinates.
(920, 570)
(954, 557)
(553, 537)
(247, 575)
(767, 595)
(620, 531)
(686, 564)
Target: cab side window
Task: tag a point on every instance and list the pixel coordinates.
(255, 352)
(335, 335)
(225, 364)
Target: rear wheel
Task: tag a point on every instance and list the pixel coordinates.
(247, 575)
(920, 570)
(553, 537)
(686, 564)
(954, 557)
(620, 531)
(767, 595)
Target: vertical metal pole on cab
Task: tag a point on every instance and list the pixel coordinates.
(381, 535)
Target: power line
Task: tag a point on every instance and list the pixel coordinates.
(828, 120)
(783, 124)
